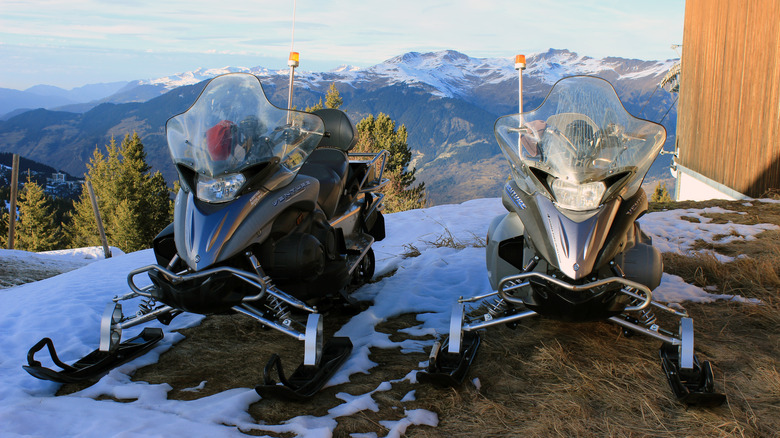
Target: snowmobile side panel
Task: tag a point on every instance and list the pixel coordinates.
(306, 380)
(502, 229)
(93, 365)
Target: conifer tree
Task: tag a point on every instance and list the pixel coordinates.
(315, 107)
(37, 229)
(377, 133)
(332, 100)
(82, 229)
(3, 225)
(661, 194)
(333, 97)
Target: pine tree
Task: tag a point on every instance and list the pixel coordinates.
(332, 100)
(37, 229)
(378, 133)
(315, 107)
(82, 229)
(661, 194)
(333, 97)
(3, 225)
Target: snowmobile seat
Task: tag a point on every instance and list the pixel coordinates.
(329, 166)
(340, 133)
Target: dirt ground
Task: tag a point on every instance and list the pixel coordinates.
(20, 270)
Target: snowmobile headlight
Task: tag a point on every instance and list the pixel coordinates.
(578, 196)
(220, 189)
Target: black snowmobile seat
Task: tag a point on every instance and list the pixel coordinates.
(340, 133)
(329, 166)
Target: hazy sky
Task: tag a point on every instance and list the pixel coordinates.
(69, 43)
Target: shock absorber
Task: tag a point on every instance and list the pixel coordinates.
(496, 309)
(277, 308)
(647, 317)
(146, 306)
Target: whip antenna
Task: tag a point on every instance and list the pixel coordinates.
(292, 62)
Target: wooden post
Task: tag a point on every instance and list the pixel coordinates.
(14, 194)
(93, 200)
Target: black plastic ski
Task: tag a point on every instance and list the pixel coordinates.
(93, 365)
(448, 369)
(306, 380)
(693, 387)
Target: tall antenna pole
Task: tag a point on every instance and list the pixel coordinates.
(292, 62)
(520, 66)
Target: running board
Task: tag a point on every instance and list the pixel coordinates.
(307, 379)
(93, 365)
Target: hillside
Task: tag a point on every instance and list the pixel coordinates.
(447, 100)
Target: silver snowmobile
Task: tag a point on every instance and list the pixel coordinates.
(275, 219)
(569, 248)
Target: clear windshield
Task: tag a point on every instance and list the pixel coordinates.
(232, 126)
(581, 133)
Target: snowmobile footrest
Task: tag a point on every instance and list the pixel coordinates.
(93, 365)
(307, 379)
(693, 387)
(448, 369)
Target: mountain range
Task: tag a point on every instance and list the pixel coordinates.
(447, 100)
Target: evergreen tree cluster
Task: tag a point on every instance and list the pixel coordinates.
(134, 206)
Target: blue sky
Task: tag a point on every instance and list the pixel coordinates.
(69, 43)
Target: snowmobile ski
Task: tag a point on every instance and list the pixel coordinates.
(307, 379)
(447, 369)
(693, 387)
(93, 365)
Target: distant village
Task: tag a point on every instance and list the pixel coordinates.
(56, 184)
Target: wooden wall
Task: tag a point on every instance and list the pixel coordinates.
(729, 109)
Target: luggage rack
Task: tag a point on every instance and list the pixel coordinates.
(374, 179)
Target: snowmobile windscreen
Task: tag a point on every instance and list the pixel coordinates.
(581, 135)
(233, 126)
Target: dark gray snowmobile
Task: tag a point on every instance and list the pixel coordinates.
(569, 247)
(275, 220)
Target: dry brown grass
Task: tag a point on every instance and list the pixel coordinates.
(544, 378)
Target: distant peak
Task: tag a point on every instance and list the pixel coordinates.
(345, 68)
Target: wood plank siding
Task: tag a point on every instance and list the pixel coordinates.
(729, 110)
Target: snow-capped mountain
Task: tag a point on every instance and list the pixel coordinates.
(446, 73)
(447, 100)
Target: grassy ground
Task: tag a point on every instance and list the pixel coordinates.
(542, 378)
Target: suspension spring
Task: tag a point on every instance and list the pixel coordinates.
(497, 308)
(146, 306)
(647, 317)
(278, 309)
